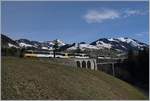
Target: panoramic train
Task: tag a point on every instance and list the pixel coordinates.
(31, 53)
(47, 54)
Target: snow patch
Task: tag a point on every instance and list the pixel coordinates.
(111, 39)
(72, 48)
(88, 46)
(122, 39)
(61, 43)
(83, 47)
(44, 47)
(130, 41)
(123, 46)
(11, 45)
(102, 44)
(25, 45)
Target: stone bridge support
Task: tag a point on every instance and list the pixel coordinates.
(86, 63)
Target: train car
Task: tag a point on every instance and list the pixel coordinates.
(64, 55)
(81, 55)
(47, 54)
(61, 55)
(42, 54)
(69, 55)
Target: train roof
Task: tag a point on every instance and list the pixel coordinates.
(37, 51)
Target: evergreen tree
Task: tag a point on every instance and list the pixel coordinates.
(138, 67)
(55, 47)
(78, 50)
(143, 65)
(22, 51)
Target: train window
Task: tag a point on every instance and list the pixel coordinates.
(46, 53)
(37, 52)
(78, 55)
(58, 53)
(41, 53)
(62, 54)
(29, 52)
(70, 54)
(86, 55)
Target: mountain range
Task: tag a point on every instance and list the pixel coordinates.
(122, 44)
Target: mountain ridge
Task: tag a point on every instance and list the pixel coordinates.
(119, 44)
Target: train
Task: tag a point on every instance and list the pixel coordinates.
(50, 54)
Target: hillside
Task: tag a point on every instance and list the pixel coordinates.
(38, 79)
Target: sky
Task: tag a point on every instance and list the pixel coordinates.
(75, 21)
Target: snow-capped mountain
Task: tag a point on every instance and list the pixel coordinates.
(42, 45)
(82, 46)
(8, 42)
(60, 43)
(121, 43)
(28, 43)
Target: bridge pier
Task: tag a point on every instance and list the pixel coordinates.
(86, 63)
(113, 69)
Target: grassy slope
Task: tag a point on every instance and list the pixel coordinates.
(35, 79)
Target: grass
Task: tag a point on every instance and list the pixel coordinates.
(34, 79)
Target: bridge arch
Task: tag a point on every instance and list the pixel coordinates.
(88, 64)
(83, 64)
(78, 64)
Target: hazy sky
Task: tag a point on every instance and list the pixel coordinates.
(75, 21)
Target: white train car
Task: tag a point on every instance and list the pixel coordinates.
(47, 54)
(81, 55)
(42, 54)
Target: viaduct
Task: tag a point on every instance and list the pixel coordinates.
(98, 64)
(86, 63)
(91, 63)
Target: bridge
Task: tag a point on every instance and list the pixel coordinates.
(112, 66)
(86, 63)
(109, 66)
(99, 64)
